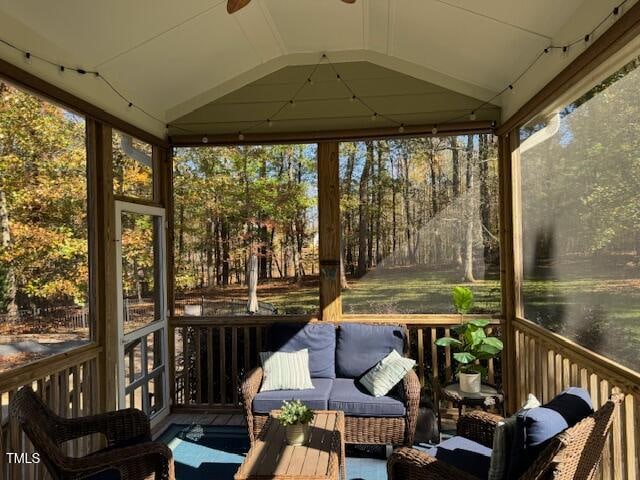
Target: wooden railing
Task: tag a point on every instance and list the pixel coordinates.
(212, 354)
(68, 383)
(547, 363)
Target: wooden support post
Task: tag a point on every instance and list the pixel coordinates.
(164, 194)
(329, 231)
(511, 263)
(103, 261)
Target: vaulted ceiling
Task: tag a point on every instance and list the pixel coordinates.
(181, 61)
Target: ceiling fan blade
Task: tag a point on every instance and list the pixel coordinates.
(235, 5)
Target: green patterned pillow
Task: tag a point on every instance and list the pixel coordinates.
(387, 373)
(285, 371)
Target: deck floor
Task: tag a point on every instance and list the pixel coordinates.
(216, 419)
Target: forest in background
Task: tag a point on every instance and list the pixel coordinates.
(422, 212)
(424, 207)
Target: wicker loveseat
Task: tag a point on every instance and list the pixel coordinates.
(338, 356)
(572, 454)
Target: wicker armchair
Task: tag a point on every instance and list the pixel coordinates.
(574, 454)
(129, 453)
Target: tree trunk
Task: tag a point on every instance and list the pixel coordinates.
(348, 218)
(455, 190)
(468, 244)
(363, 214)
(485, 203)
(379, 194)
(394, 221)
(217, 252)
(7, 277)
(407, 205)
(225, 253)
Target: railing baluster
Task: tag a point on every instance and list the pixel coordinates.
(197, 340)
(234, 364)
(420, 343)
(247, 349)
(210, 371)
(223, 367)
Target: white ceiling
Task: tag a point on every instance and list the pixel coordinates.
(173, 57)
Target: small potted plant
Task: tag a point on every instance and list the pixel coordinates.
(470, 344)
(296, 416)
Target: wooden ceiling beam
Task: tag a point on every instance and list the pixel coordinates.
(271, 138)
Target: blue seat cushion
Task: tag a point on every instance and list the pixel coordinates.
(318, 338)
(464, 454)
(347, 395)
(360, 347)
(316, 398)
(535, 427)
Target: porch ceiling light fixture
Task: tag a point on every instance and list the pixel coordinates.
(234, 5)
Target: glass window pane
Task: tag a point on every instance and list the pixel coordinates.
(43, 229)
(419, 216)
(132, 166)
(581, 218)
(246, 227)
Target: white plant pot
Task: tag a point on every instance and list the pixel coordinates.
(470, 382)
(297, 434)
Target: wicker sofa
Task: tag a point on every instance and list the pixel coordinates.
(338, 356)
(572, 454)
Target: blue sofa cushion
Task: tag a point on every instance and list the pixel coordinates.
(318, 338)
(315, 398)
(350, 397)
(360, 347)
(537, 426)
(464, 454)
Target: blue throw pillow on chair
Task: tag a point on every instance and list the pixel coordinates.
(537, 426)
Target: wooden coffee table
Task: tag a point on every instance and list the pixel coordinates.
(322, 458)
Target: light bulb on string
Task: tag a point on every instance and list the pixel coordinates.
(472, 116)
(434, 130)
(338, 77)
(401, 128)
(292, 103)
(240, 136)
(27, 58)
(374, 116)
(205, 139)
(310, 81)
(352, 99)
(270, 123)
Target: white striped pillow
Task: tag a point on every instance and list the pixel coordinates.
(285, 371)
(386, 374)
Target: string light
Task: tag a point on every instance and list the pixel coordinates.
(374, 117)
(614, 15)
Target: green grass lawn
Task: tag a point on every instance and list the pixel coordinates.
(599, 307)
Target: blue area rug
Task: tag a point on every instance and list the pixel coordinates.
(210, 452)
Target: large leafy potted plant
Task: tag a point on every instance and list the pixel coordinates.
(470, 343)
(296, 416)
